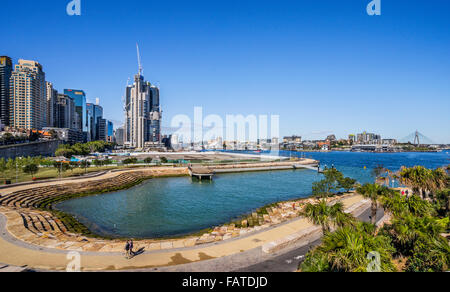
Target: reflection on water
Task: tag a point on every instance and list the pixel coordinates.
(177, 206)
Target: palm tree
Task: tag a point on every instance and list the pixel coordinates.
(398, 205)
(346, 250)
(374, 192)
(406, 231)
(423, 180)
(378, 170)
(327, 215)
(438, 180)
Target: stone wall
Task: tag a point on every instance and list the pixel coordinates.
(44, 148)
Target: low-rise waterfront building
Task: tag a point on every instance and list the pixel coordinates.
(389, 141)
(67, 135)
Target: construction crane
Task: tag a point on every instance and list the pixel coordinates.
(139, 59)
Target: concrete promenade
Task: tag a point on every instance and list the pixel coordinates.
(14, 252)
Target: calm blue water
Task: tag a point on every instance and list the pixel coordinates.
(177, 206)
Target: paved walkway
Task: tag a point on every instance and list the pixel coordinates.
(16, 253)
(109, 174)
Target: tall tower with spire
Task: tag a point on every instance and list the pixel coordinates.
(143, 116)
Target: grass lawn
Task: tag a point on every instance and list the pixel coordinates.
(51, 173)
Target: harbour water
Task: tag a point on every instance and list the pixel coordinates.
(167, 207)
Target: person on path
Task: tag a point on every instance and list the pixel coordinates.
(127, 249)
(131, 248)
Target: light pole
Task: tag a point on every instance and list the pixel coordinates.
(17, 168)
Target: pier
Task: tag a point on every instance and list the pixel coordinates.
(201, 172)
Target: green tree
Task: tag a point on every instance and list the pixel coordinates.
(399, 205)
(32, 169)
(85, 164)
(80, 149)
(148, 160)
(66, 152)
(8, 138)
(408, 231)
(73, 165)
(423, 180)
(329, 185)
(430, 256)
(130, 161)
(347, 183)
(164, 160)
(3, 167)
(98, 162)
(379, 170)
(347, 250)
(327, 215)
(442, 203)
(61, 167)
(374, 192)
(11, 164)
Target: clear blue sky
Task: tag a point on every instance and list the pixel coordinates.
(323, 66)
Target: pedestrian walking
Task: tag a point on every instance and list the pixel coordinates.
(127, 250)
(131, 248)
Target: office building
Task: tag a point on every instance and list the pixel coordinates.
(52, 97)
(66, 116)
(79, 97)
(105, 130)
(94, 113)
(118, 136)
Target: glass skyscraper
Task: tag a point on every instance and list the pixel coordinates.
(95, 113)
(6, 68)
(79, 97)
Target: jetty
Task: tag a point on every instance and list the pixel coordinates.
(201, 172)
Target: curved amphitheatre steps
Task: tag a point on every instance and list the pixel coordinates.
(34, 204)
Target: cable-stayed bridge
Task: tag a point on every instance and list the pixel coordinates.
(417, 138)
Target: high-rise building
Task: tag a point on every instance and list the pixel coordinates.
(155, 116)
(52, 97)
(143, 114)
(102, 130)
(110, 132)
(105, 130)
(368, 138)
(95, 113)
(66, 116)
(79, 97)
(119, 134)
(6, 68)
(28, 96)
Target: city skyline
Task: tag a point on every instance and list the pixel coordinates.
(384, 75)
